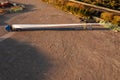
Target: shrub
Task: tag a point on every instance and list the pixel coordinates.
(68, 8)
(116, 20)
(76, 9)
(107, 16)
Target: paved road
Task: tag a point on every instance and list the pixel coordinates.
(58, 55)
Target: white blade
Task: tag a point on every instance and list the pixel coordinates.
(24, 26)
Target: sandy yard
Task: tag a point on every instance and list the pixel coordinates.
(57, 55)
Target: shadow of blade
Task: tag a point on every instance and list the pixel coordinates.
(101, 28)
(20, 61)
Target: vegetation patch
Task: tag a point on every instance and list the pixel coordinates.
(111, 21)
(112, 4)
(9, 7)
(113, 27)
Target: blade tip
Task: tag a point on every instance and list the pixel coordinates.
(8, 28)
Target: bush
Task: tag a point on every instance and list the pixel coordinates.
(68, 8)
(116, 20)
(76, 9)
(107, 16)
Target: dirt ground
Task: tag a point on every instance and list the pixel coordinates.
(57, 55)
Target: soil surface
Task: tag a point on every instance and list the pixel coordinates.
(54, 54)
